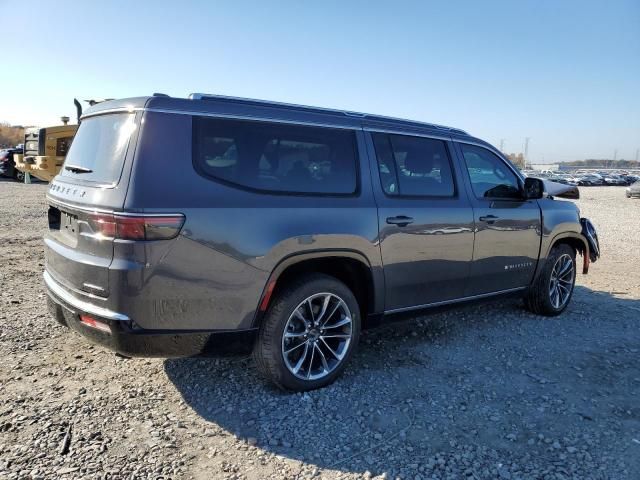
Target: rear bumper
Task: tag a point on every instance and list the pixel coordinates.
(127, 339)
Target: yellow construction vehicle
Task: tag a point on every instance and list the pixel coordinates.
(46, 148)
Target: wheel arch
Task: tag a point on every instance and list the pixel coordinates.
(349, 266)
(575, 241)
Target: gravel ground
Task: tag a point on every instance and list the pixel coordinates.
(486, 391)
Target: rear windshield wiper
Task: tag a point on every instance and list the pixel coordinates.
(77, 169)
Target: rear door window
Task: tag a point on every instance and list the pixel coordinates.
(276, 157)
(99, 147)
(414, 166)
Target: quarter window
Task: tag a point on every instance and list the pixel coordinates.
(413, 166)
(490, 176)
(276, 157)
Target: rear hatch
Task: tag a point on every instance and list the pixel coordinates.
(91, 185)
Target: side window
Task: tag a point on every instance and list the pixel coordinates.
(276, 157)
(414, 166)
(490, 176)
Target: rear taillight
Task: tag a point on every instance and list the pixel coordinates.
(137, 227)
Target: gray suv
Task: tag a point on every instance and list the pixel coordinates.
(182, 226)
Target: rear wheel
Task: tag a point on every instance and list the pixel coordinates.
(308, 334)
(18, 175)
(552, 291)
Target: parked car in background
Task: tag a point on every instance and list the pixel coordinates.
(291, 228)
(563, 178)
(590, 179)
(614, 180)
(8, 165)
(630, 179)
(633, 190)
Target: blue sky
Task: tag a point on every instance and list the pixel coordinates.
(565, 73)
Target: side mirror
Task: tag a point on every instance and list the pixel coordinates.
(533, 188)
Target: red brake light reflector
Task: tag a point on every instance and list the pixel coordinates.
(93, 323)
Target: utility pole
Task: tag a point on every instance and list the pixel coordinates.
(637, 153)
(526, 150)
(502, 145)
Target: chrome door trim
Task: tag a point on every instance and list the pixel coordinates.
(455, 300)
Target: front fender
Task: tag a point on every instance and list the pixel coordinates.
(561, 222)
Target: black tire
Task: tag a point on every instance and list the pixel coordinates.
(268, 351)
(18, 175)
(538, 299)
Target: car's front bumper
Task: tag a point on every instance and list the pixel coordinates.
(123, 336)
(590, 234)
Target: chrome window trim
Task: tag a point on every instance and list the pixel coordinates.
(348, 113)
(290, 122)
(407, 134)
(230, 116)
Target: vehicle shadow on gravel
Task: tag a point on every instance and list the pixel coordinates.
(483, 376)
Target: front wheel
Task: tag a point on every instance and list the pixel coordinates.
(308, 334)
(552, 290)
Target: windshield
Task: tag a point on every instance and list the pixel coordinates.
(99, 147)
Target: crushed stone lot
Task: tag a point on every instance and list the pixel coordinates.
(483, 391)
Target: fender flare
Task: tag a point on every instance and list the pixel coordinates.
(293, 259)
(574, 236)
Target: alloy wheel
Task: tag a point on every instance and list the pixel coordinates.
(561, 283)
(317, 336)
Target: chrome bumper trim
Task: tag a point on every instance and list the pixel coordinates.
(56, 290)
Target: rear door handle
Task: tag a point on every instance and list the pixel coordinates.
(488, 218)
(400, 220)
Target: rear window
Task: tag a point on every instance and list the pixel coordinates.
(99, 147)
(414, 166)
(276, 157)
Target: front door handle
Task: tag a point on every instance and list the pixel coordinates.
(400, 220)
(488, 218)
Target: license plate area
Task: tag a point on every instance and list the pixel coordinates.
(69, 226)
(63, 226)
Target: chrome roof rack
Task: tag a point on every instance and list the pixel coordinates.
(212, 96)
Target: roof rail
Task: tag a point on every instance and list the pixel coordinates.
(212, 96)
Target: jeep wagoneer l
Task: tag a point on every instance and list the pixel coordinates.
(178, 221)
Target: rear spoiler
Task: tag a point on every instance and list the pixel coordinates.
(78, 109)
